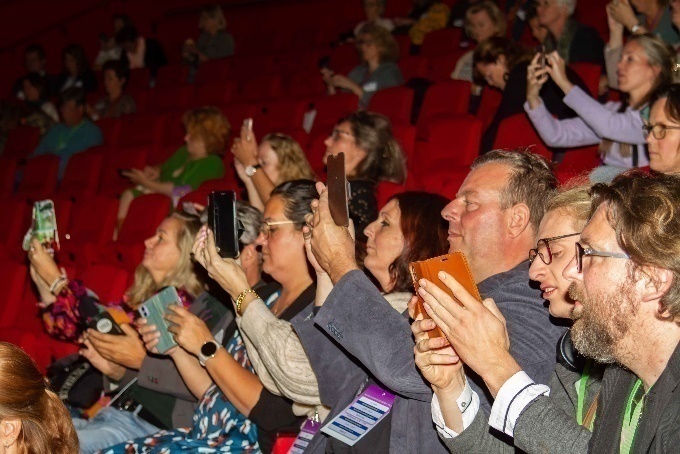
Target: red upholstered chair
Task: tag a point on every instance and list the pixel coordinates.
(590, 74)
(518, 132)
(140, 129)
(112, 183)
(385, 190)
(39, 178)
(8, 167)
(263, 88)
(212, 93)
(394, 102)
(173, 97)
(330, 108)
(444, 41)
(441, 66)
(445, 98)
(82, 174)
(491, 99)
(21, 142)
(107, 281)
(280, 115)
(413, 66)
(305, 83)
(12, 281)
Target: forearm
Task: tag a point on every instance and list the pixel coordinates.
(240, 386)
(253, 196)
(263, 185)
(453, 417)
(324, 286)
(159, 187)
(195, 377)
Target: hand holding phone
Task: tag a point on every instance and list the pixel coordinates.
(224, 224)
(154, 310)
(338, 189)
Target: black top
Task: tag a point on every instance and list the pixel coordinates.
(154, 56)
(586, 44)
(515, 94)
(87, 81)
(274, 413)
(363, 207)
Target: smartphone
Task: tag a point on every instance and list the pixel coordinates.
(338, 189)
(541, 51)
(154, 310)
(454, 264)
(222, 221)
(43, 227)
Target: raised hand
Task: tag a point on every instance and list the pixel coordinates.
(190, 332)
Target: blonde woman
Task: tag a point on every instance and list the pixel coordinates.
(214, 42)
(278, 159)
(32, 418)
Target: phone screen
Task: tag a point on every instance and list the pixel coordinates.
(222, 221)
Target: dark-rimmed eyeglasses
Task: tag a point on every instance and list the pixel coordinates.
(546, 256)
(266, 227)
(658, 130)
(584, 252)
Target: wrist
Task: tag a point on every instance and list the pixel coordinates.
(453, 390)
(116, 373)
(500, 371)
(341, 267)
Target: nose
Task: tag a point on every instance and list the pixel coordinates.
(537, 270)
(450, 211)
(368, 231)
(570, 273)
(329, 141)
(148, 243)
(261, 239)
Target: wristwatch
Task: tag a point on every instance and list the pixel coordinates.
(250, 170)
(208, 350)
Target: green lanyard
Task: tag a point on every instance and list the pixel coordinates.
(631, 418)
(581, 391)
(61, 143)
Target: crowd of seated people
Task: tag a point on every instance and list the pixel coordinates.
(322, 334)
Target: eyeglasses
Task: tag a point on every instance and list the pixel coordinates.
(582, 252)
(545, 243)
(658, 130)
(337, 133)
(266, 228)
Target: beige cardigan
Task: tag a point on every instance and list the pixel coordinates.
(277, 355)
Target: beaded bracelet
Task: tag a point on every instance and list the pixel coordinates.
(241, 297)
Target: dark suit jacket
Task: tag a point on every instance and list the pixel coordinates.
(659, 427)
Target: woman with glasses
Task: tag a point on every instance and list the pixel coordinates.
(575, 384)
(372, 155)
(232, 398)
(277, 159)
(378, 51)
(645, 65)
(663, 131)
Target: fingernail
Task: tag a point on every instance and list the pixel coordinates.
(422, 292)
(422, 283)
(441, 275)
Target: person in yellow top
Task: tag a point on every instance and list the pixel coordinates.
(426, 16)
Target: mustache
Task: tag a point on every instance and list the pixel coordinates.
(574, 293)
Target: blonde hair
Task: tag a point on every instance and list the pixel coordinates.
(183, 276)
(574, 198)
(384, 41)
(46, 426)
(210, 124)
(491, 10)
(293, 164)
(215, 13)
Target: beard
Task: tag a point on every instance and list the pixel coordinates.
(602, 321)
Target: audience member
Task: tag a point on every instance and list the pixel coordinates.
(76, 72)
(629, 319)
(116, 102)
(482, 20)
(493, 221)
(573, 41)
(232, 397)
(207, 131)
(503, 64)
(425, 17)
(32, 417)
(378, 51)
(663, 141)
(654, 17)
(141, 52)
(372, 155)
(35, 61)
(41, 112)
(75, 133)
(538, 31)
(615, 126)
(214, 41)
(575, 383)
(403, 232)
(374, 10)
(109, 49)
(279, 157)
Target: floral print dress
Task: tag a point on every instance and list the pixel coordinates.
(218, 426)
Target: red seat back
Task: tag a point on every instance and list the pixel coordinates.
(8, 168)
(40, 177)
(438, 42)
(12, 281)
(394, 102)
(107, 281)
(329, 109)
(590, 74)
(112, 183)
(140, 129)
(21, 142)
(445, 98)
(518, 132)
(145, 214)
(82, 174)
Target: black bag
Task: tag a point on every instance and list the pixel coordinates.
(76, 381)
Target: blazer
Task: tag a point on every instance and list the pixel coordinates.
(659, 427)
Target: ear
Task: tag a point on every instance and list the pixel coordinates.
(520, 216)
(248, 255)
(9, 431)
(657, 282)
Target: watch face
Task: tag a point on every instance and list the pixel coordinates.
(208, 349)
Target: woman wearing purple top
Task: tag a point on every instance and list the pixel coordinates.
(616, 126)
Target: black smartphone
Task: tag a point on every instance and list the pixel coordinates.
(541, 60)
(324, 62)
(222, 221)
(338, 189)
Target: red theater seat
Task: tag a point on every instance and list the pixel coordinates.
(394, 102)
(40, 177)
(21, 142)
(82, 174)
(445, 98)
(518, 132)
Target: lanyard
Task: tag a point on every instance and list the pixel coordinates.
(631, 418)
(61, 143)
(581, 391)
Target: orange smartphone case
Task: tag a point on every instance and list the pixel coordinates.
(454, 264)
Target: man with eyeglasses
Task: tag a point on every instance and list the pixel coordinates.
(625, 282)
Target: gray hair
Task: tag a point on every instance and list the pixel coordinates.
(569, 4)
(251, 218)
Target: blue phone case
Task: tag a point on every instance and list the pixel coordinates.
(154, 310)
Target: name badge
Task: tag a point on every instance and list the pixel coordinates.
(361, 416)
(307, 432)
(370, 87)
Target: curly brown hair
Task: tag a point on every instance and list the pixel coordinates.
(210, 124)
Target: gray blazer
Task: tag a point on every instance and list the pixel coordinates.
(659, 427)
(548, 424)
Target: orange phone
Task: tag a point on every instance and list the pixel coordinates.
(454, 264)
